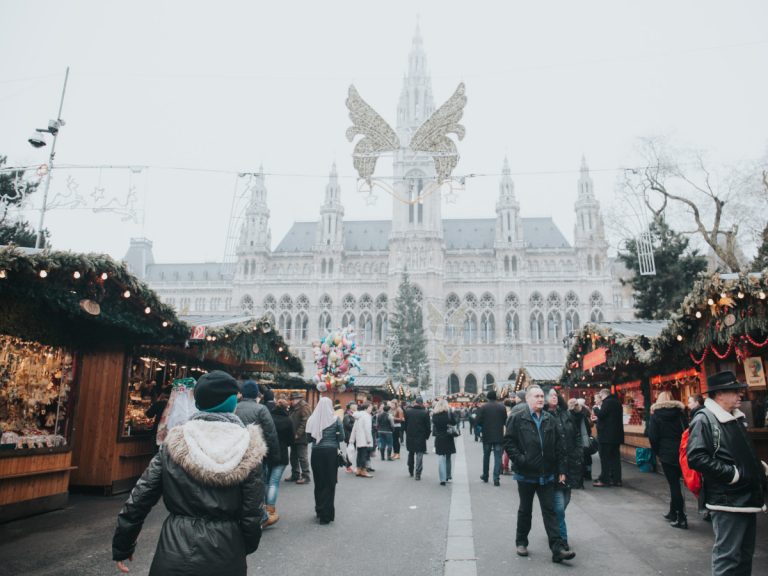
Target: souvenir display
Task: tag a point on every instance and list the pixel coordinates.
(35, 383)
(335, 356)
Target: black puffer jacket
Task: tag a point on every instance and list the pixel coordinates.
(735, 454)
(610, 421)
(531, 456)
(251, 412)
(416, 428)
(665, 429)
(284, 429)
(491, 416)
(208, 472)
(574, 452)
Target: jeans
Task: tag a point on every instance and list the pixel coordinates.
(562, 498)
(734, 543)
(415, 459)
(385, 444)
(299, 461)
(526, 491)
(273, 484)
(496, 448)
(444, 467)
(673, 475)
(610, 463)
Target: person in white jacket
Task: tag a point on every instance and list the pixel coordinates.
(361, 438)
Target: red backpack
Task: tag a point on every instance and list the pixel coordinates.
(691, 477)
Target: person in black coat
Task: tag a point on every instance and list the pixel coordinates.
(610, 435)
(491, 418)
(208, 473)
(444, 443)
(417, 431)
(734, 478)
(535, 448)
(665, 429)
(573, 456)
(285, 433)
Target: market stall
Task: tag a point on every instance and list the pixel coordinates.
(545, 376)
(723, 325)
(624, 357)
(65, 320)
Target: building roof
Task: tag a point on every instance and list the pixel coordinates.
(459, 234)
(218, 321)
(647, 328)
(210, 271)
(370, 381)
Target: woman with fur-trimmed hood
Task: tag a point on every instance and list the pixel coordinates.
(665, 429)
(208, 472)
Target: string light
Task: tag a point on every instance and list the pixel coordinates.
(679, 337)
(740, 294)
(698, 313)
(165, 324)
(3, 274)
(104, 275)
(127, 294)
(43, 273)
(711, 302)
(761, 295)
(76, 275)
(147, 310)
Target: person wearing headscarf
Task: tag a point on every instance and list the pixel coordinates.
(208, 472)
(325, 432)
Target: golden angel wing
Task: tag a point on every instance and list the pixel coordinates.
(378, 136)
(432, 136)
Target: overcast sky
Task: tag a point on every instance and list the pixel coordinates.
(227, 86)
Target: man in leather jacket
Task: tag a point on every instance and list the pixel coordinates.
(535, 448)
(734, 479)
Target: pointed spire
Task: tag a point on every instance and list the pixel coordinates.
(416, 101)
(586, 186)
(506, 184)
(332, 189)
(505, 169)
(334, 174)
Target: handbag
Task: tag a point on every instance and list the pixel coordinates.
(593, 446)
(453, 430)
(341, 458)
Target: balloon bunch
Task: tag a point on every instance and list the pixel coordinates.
(335, 356)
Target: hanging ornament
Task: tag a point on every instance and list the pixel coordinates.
(729, 320)
(90, 307)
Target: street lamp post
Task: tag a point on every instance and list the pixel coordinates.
(39, 141)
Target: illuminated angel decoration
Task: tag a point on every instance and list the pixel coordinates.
(431, 138)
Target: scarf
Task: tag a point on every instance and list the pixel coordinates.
(321, 418)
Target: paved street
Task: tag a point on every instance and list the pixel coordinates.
(394, 525)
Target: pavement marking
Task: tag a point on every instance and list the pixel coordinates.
(460, 559)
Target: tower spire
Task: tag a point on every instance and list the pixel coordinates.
(416, 100)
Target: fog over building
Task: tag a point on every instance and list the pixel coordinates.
(498, 293)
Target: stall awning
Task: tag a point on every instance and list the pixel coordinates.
(539, 373)
(647, 328)
(371, 381)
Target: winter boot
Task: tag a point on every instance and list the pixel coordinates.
(272, 518)
(681, 521)
(669, 516)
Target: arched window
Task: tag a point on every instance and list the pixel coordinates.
(596, 299)
(488, 381)
(270, 303)
(381, 302)
(246, 304)
(301, 328)
(365, 302)
(596, 316)
(284, 325)
(514, 264)
(286, 303)
(554, 324)
(537, 327)
(324, 324)
(470, 384)
(348, 319)
(325, 302)
(348, 302)
(571, 299)
(512, 327)
(470, 328)
(589, 263)
(506, 263)
(302, 302)
(323, 268)
(382, 328)
(487, 328)
(366, 328)
(571, 321)
(330, 267)
(453, 384)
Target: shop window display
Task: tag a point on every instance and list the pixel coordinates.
(148, 379)
(35, 389)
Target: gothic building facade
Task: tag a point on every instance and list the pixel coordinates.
(497, 293)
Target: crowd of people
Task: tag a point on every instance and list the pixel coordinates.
(219, 473)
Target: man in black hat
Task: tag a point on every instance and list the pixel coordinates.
(734, 479)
